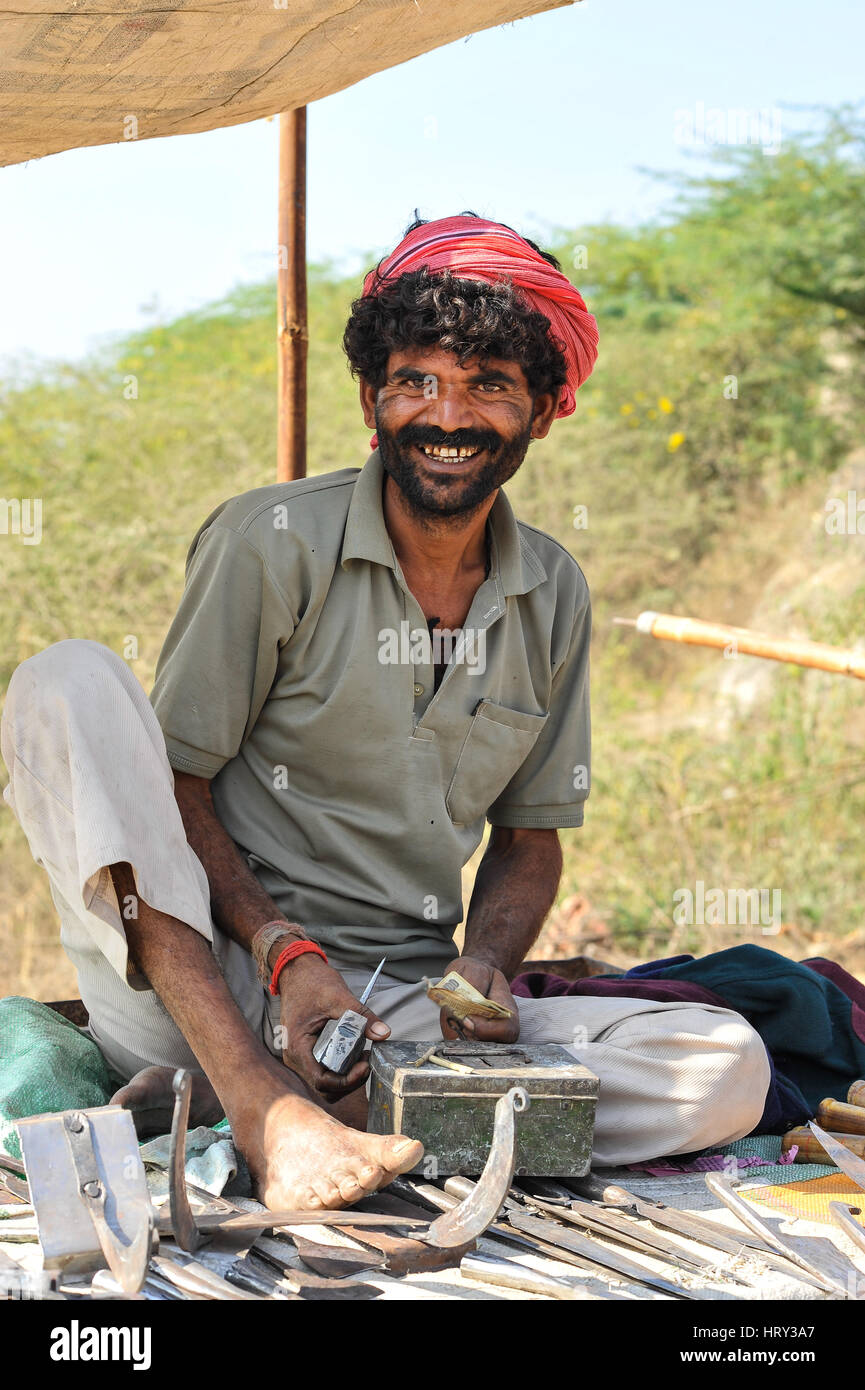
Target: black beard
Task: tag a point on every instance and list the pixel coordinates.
(449, 496)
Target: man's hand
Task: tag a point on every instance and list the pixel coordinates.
(493, 985)
(311, 992)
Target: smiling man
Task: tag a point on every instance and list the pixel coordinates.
(323, 767)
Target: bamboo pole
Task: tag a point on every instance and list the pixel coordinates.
(810, 1150)
(292, 332)
(844, 1119)
(742, 641)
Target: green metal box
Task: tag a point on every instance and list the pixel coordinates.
(451, 1112)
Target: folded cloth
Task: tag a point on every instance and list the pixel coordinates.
(810, 1015)
(212, 1162)
(712, 1163)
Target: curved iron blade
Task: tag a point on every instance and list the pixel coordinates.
(470, 1219)
(186, 1233)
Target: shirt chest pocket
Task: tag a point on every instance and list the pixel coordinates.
(498, 742)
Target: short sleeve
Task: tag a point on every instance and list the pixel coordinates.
(549, 789)
(221, 654)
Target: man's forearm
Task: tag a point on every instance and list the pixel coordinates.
(237, 900)
(311, 991)
(514, 890)
(180, 967)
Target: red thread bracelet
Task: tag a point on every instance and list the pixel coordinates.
(297, 948)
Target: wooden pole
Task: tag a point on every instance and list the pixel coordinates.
(292, 331)
(741, 640)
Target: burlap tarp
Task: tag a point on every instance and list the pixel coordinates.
(77, 72)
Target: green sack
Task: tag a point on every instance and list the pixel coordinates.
(46, 1065)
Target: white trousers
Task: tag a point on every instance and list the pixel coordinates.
(91, 786)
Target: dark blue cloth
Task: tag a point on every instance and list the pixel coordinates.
(810, 1015)
(812, 1024)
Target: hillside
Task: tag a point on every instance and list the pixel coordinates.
(721, 417)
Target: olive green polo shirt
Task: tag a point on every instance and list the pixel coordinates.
(298, 675)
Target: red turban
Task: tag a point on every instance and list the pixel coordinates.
(474, 249)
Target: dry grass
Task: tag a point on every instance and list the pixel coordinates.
(775, 799)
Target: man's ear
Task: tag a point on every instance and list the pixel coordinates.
(544, 410)
(368, 394)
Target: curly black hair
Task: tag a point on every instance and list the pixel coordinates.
(470, 318)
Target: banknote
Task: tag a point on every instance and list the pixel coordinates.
(462, 1000)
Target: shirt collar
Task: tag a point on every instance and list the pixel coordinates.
(513, 561)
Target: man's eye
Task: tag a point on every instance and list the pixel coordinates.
(489, 387)
(412, 383)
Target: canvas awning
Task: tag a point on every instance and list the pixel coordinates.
(80, 73)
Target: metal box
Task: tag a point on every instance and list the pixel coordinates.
(451, 1112)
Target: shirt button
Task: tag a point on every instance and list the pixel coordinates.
(418, 689)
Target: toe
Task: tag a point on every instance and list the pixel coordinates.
(127, 1096)
(150, 1100)
(328, 1193)
(370, 1176)
(140, 1090)
(398, 1154)
(349, 1186)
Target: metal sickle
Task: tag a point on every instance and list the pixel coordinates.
(186, 1232)
(464, 1223)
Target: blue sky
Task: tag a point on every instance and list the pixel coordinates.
(544, 123)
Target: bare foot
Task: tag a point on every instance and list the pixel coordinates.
(302, 1159)
(150, 1097)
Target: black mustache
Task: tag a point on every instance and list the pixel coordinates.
(458, 439)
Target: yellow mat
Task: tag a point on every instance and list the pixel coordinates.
(810, 1199)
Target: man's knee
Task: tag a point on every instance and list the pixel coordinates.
(677, 1081)
(73, 685)
(73, 669)
(735, 1080)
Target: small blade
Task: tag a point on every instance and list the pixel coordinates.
(843, 1217)
(841, 1156)
(368, 991)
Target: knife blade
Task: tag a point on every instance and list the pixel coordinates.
(843, 1217)
(841, 1156)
